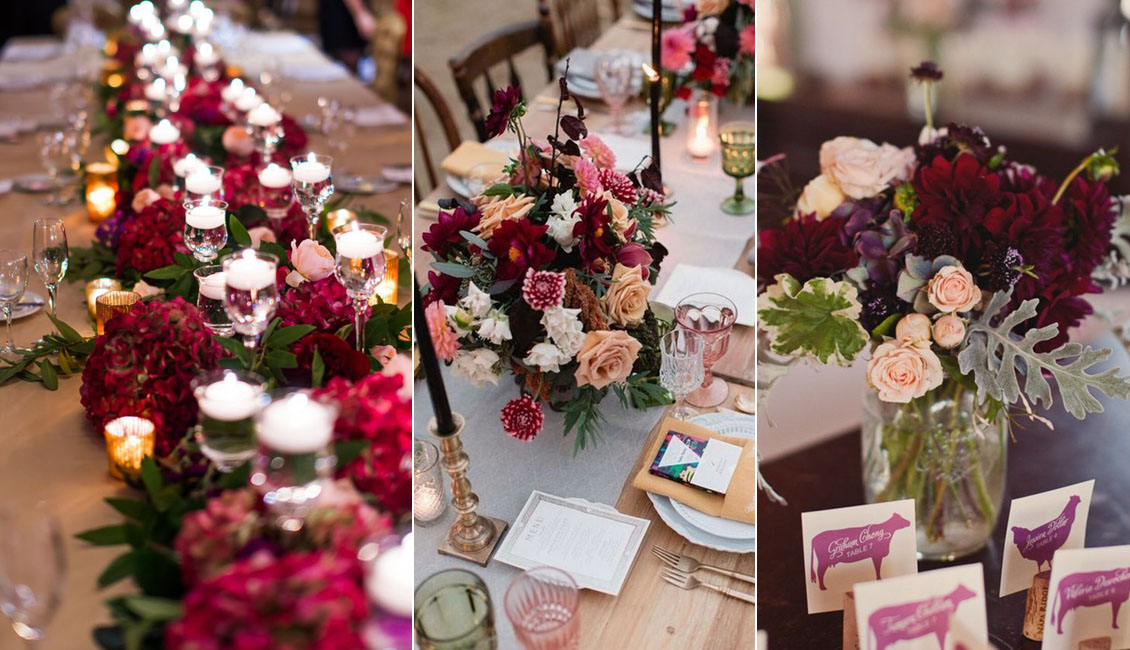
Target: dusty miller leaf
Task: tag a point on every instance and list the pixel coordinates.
(819, 319)
(996, 356)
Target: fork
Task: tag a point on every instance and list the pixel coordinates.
(687, 581)
(690, 565)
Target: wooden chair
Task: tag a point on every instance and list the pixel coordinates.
(575, 23)
(501, 46)
(387, 44)
(438, 105)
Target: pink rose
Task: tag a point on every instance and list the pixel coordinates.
(383, 354)
(237, 141)
(949, 331)
(677, 46)
(311, 259)
(747, 39)
(952, 289)
(913, 328)
(135, 128)
(260, 234)
(144, 198)
(606, 357)
(862, 168)
(902, 371)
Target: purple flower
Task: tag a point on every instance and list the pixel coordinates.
(503, 105)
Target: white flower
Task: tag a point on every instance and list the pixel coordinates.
(460, 320)
(564, 329)
(546, 357)
(144, 289)
(477, 302)
(562, 219)
(495, 327)
(476, 366)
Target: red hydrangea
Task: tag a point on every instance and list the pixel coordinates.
(150, 239)
(518, 244)
(210, 539)
(805, 248)
(144, 364)
(543, 289)
(240, 183)
(294, 138)
(321, 303)
(522, 418)
(201, 102)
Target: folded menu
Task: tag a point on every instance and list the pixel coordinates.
(740, 499)
(468, 155)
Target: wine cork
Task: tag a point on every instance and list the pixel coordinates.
(1036, 606)
(851, 632)
(1102, 643)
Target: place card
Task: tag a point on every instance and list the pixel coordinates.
(846, 546)
(1038, 526)
(1087, 598)
(918, 611)
(592, 542)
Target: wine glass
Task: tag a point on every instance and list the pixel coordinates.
(542, 605)
(55, 155)
(360, 267)
(210, 299)
(313, 186)
(205, 227)
(13, 283)
(33, 568)
(403, 236)
(251, 293)
(712, 317)
(614, 72)
(681, 369)
(51, 255)
(739, 159)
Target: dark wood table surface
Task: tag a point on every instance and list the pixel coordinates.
(829, 475)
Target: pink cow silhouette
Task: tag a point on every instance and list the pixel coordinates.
(1040, 544)
(1091, 589)
(914, 620)
(844, 545)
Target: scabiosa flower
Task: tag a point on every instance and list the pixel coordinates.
(444, 233)
(598, 152)
(620, 186)
(879, 304)
(505, 106)
(805, 248)
(519, 245)
(443, 336)
(588, 178)
(522, 418)
(934, 240)
(543, 290)
(926, 71)
(1001, 268)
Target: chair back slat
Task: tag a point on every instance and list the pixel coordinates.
(446, 121)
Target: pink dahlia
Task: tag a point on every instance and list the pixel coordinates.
(443, 337)
(620, 186)
(588, 177)
(747, 40)
(677, 46)
(598, 152)
(543, 290)
(522, 418)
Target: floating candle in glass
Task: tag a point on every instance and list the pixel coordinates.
(164, 132)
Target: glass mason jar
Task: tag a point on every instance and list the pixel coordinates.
(947, 452)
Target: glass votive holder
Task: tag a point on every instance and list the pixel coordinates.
(275, 193)
(702, 127)
(542, 605)
(228, 400)
(129, 440)
(205, 182)
(111, 303)
(101, 190)
(452, 611)
(96, 288)
(294, 458)
(210, 281)
(341, 217)
(389, 287)
(429, 500)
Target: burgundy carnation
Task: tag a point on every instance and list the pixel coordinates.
(522, 418)
(805, 248)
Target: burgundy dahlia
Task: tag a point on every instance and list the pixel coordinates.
(956, 195)
(543, 290)
(444, 233)
(522, 418)
(518, 244)
(805, 248)
(503, 103)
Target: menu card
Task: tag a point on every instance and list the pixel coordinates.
(1086, 597)
(1038, 526)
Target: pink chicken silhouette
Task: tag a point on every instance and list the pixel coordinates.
(1040, 544)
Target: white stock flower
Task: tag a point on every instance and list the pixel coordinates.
(495, 327)
(562, 219)
(564, 328)
(546, 357)
(476, 302)
(476, 366)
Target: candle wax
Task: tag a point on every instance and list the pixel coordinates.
(389, 582)
(311, 171)
(358, 244)
(296, 425)
(205, 217)
(249, 274)
(229, 400)
(202, 181)
(164, 133)
(275, 176)
(212, 286)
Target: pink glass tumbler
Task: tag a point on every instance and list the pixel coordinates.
(541, 604)
(712, 317)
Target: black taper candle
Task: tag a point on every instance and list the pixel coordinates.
(445, 423)
(656, 86)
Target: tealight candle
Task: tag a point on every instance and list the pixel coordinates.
(358, 244)
(128, 441)
(275, 176)
(263, 115)
(164, 133)
(202, 181)
(389, 580)
(389, 287)
(311, 171)
(212, 286)
(248, 100)
(232, 91)
(297, 425)
(187, 165)
(206, 55)
(702, 128)
(337, 218)
(230, 400)
(156, 91)
(96, 288)
(205, 217)
(250, 274)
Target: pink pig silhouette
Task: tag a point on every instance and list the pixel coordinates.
(1091, 589)
(914, 620)
(1040, 544)
(856, 544)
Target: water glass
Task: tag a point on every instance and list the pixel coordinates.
(251, 293)
(205, 182)
(54, 153)
(313, 186)
(739, 159)
(229, 400)
(33, 568)
(712, 317)
(542, 604)
(681, 369)
(13, 283)
(294, 460)
(360, 267)
(614, 73)
(51, 255)
(453, 612)
(429, 500)
(205, 227)
(210, 299)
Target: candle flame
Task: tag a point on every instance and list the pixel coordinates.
(650, 72)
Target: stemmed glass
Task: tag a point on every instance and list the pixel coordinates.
(33, 568)
(712, 317)
(229, 400)
(542, 605)
(403, 236)
(681, 369)
(739, 159)
(51, 255)
(613, 73)
(54, 152)
(251, 294)
(205, 182)
(205, 228)
(210, 299)
(313, 186)
(360, 267)
(13, 283)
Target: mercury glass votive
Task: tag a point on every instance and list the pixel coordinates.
(111, 303)
(429, 501)
(389, 287)
(128, 441)
(101, 190)
(96, 288)
(739, 159)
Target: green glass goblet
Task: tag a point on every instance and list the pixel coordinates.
(739, 159)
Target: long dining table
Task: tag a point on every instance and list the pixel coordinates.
(48, 451)
(647, 612)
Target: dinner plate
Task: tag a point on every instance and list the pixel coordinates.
(34, 184)
(460, 186)
(702, 529)
(28, 305)
(363, 185)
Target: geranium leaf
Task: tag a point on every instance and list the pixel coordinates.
(239, 233)
(317, 369)
(819, 319)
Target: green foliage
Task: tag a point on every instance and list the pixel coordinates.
(63, 354)
(582, 415)
(86, 264)
(272, 356)
(642, 392)
(818, 320)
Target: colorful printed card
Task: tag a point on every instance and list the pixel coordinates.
(859, 544)
(918, 611)
(705, 464)
(1038, 526)
(1087, 598)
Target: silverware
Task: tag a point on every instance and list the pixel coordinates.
(690, 565)
(687, 581)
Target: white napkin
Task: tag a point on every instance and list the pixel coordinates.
(379, 115)
(32, 50)
(686, 279)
